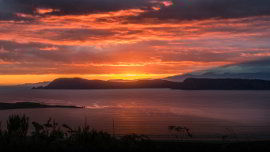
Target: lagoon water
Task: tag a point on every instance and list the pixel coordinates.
(208, 114)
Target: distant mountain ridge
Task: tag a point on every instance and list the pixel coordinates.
(211, 75)
(26, 85)
(188, 84)
(259, 69)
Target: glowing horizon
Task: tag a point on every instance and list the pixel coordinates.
(24, 79)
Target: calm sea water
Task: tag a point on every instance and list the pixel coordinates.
(209, 114)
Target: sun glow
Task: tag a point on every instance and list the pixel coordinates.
(23, 79)
(130, 76)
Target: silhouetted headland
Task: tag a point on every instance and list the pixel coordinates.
(31, 105)
(78, 83)
(188, 84)
(224, 84)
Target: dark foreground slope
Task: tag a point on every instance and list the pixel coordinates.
(188, 84)
(53, 137)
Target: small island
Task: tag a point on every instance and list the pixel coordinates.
(30, 105)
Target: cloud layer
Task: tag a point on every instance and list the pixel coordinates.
(180, 9)
(130, 36)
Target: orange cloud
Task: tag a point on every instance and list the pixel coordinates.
(49, 48)
(167, 3)
(5, 62)
(45, 10)
(156, 8)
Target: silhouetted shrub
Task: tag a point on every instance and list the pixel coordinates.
(17, 126)
(1, 132)
(180, 132)
(134, 138)
(50, 131)
(86, 135)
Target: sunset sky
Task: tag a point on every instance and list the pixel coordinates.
(127, 39)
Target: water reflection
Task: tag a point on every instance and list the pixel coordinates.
(206, 113)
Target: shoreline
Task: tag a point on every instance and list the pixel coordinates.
(32, 105)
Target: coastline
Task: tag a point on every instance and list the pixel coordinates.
(31, 105)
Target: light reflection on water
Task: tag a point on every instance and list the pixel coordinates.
(151, 111)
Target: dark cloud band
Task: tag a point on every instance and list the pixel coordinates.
(205, 9)
(181, 9)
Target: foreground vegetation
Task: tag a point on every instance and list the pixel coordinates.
(51, 136)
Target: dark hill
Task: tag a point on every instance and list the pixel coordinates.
(78, 83)
(224, 84)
